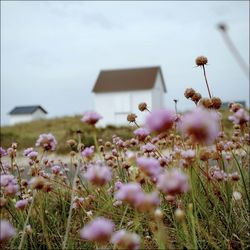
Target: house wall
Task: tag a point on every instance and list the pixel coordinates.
(115, 106)
(158, 93)
(38, 114)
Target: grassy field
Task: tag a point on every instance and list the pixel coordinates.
(64, 128)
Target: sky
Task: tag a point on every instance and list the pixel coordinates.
(53, 51)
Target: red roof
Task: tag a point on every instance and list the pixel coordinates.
(127, 79)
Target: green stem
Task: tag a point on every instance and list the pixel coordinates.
(20, 247)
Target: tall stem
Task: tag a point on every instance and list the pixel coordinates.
(235, 53)
(20, 247)
(204, 71)
(71, 202)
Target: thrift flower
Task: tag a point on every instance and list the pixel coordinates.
(173, 182)
(7, 231)
(98, 230)
(91, 117)
(146, 202)
(88, 152)
(98, 175)
(21, 204)
(200, 124)
(150, 166)
(9, 184)
(149, 147)
(27, 151)
(239, 117)
(128, 192)
(47, 142)
(2, 152)
(160, 120)
(126, 240)
(141, 133)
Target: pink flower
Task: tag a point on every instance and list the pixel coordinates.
(98, 230)
(188, 154)
(56, 169)
(239, 117)
(173, 182)
(91, 117)
(47, 142)
(21, 204)
(161, 120)
(149, 147)
(217, 174)
(141, 133)
(200, 124)
(7, 231)
(146, 202)
(32, 155)
(27, 151)
(118, 185)
(9, 184)
(2, 152)
(128, 192)
(126, 240)
(88, 152)
(78, 202)
(150, 166)
(98, 175)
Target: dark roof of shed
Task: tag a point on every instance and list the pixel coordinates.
(127, 79)
(26, 110)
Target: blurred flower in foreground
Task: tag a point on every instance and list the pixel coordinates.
(98, 230)
(173, 182)
(239, 117)
(2, 152)
(47, 142)
(91, 117)
(6, 231)
(160, 120)
(126, 240)
(202, 125)
(9, 184)
(141, 133)
(150, 166)
(98, 175)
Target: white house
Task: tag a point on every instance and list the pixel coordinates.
(26, 114)
(117, 93)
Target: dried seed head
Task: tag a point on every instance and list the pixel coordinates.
(216, 102)
(37, 182)
(142, 106)
(189, 93)
(14, 145)
(72, 153)
(24, 183)
(179, 214)
(205, 155)
(71, 143)
(108, 144)
(206, 102)
(201, 60)
(196, 97)
(131, 117)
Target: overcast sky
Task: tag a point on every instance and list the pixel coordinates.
(52, 52)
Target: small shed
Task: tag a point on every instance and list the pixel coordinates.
(26, 114)
(118, 92)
